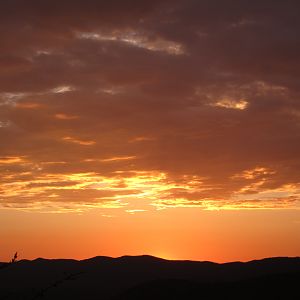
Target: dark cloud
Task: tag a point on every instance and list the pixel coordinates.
(180, 97)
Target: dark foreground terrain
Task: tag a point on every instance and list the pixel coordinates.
(146, 277)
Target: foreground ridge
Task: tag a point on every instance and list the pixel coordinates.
(148, 277)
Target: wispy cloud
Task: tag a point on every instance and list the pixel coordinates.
(63, 116)
(231, 103)
(136, 39)
(78, 141)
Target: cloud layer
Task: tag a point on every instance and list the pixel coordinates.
(150, 104)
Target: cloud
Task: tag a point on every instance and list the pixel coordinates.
(62, 89)
(65, 117)
(233, 104)
(80, 142)
(11, 160)
(136, 39)
(279, 203)
(117, 158)
(186, 102)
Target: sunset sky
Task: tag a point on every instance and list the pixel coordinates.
(169, 128)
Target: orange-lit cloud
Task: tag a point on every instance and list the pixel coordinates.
(77, 141)
(148, 106)
(28, 105)
(65, 117)
(11, 160)
(116, 158)
(233, 104)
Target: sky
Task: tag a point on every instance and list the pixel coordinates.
(169, 128)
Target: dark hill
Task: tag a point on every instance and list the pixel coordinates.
(275, 287)
(147, 277)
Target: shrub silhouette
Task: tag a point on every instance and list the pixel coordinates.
(14, 259)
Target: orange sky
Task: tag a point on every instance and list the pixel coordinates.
(174, 234)
(157, 127)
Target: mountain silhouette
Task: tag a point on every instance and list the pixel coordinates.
(147, 277)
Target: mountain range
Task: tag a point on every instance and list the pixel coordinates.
(147, 277)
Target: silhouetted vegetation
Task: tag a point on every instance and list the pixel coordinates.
(14, 259)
